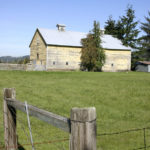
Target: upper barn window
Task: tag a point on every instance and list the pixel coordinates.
(67, 63)
(38, 40)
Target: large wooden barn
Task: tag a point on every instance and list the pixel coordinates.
(61, 50)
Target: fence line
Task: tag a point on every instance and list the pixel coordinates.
(82, 123)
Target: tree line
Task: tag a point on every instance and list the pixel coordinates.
(125, 29)
(15, 60)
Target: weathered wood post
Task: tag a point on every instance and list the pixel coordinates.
(83, 129)
(10, 121)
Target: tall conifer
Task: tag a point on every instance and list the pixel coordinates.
(145, 40)
(125, 28)
(129, 30)
(110, 27)
(92, 53)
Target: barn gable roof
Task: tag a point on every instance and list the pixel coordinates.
(73, 39)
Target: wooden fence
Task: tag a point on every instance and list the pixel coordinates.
(81, 125)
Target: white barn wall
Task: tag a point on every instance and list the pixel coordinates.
(117, 60)
(61, 55)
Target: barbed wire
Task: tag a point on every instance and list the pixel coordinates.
(128, 131)
(121, 132)
(141, 148)
(40, 143)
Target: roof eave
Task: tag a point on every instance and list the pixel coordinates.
(64, 45)
(117, 49)
(82, 46)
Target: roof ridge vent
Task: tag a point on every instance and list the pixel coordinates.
(61, 27)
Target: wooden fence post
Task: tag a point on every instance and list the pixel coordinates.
(10, 121)
(83, 129)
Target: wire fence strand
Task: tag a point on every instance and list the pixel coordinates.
(121, 132)
(40, 143)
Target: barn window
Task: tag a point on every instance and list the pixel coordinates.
(38, 41)
(53, 62)
(67, 63)
(37, 56)
(112, 65)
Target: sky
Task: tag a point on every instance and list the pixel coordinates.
(20, 18)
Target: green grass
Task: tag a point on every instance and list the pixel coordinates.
(122, 102)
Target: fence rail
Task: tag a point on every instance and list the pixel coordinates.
(51, 118)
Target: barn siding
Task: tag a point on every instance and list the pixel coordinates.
(57, 57)
(116, 60)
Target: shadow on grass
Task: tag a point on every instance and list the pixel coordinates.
(20, 147)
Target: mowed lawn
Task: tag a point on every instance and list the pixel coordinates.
(122, 102)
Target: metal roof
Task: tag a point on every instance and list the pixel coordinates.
(70, 38)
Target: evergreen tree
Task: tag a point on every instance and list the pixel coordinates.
(135, 57)
(129, 31)
(145, 40)
(92, 53)
(119, 33)
(110, 27)
(125, 28)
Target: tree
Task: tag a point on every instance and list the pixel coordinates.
(145, 40)
(129, 30)
(20, 61)
(26, 60)
(125, 28)
(119, 33)
(92, 53)
(135, 57)
(110, 27)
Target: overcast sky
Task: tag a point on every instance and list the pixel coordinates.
(20, 18)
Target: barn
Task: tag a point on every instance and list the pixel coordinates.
(60, 49)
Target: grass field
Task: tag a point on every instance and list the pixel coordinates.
(122, 101)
